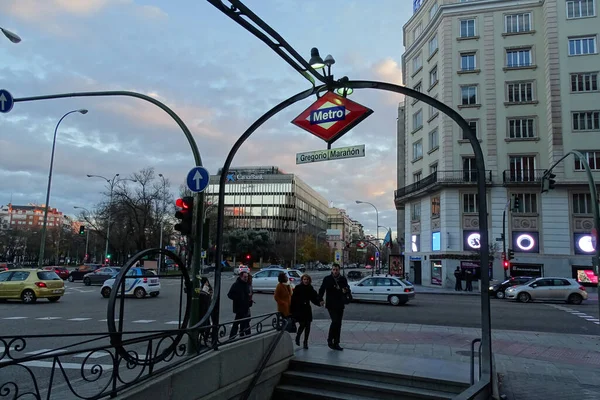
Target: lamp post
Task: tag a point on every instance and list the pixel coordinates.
(13, 37)
(43, 235)
(87, 233)
(298, 226)
(377, 221)
(111, 183)
(162, 220)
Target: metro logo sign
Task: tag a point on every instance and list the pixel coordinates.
(331, 116)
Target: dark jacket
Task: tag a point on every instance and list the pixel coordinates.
(333, 291)
(240, 294)
(302, 296)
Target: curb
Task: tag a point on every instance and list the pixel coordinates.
(449, 293)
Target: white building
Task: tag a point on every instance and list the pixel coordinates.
(524, 73)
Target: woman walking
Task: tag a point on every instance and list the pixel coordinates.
(301, 310)
(283, 295)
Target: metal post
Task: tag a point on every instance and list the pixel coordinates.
(87, 240)
(195, 316)
(504, 241)
(112, 184)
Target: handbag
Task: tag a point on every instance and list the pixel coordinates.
(347, 297)
(291, 325)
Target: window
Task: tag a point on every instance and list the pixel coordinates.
(433, 76)
(432, 110)
(417, 176)
(521, 128)
(468, 95)
(469, 169)
(584, 82)
(415, 212)
(522, 168)
(467, 28)
(470, 203)
(433, 10)
(433, 168)
(593, 159)
(582, 46)
(435, 207)
(517, 23)
(433, 45)
(417, 31)
(433, 140)
(417, 63)
(467, 62)
(518, 58)
(418, 120)
(519, 92)
(527, 203)
(473, 124)
(582, 203)
(580, 8)
(586, 121)
(417, 150)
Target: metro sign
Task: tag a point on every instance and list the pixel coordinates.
(331, 116)
(361, 245)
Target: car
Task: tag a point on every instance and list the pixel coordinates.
(383, 289)
(62, 272)
(100, 275)
(354, 275)
(497, 289)
(548, 288)
(29, 284)
(241, 268)
(139, 282)
(266, 279)
(79, 273)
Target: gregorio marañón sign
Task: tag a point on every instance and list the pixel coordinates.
(331, 116)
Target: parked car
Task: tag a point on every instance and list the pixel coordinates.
(548, 288)
(497, 289)
(354, 275)
(62, 272)
(100, 275)
(241, 268)
(139, 282)
(79, 273)
(266, 280)
(383, 289)
(30, 285)
(6, 266)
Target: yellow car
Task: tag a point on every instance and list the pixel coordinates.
(30, 285)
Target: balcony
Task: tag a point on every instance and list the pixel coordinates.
(522, 177)
(440, 178)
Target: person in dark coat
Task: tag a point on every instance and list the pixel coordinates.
(240, 294)
(469, 279)
(336, 288)
(458, 277)
(301, 310)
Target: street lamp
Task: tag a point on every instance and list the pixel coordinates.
(87, 232)
(111, 183)
(13, 37)
(377, 215)
(43, 235)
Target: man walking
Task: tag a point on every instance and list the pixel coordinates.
(336, 289)
(239, 293)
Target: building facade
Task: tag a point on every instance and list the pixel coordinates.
(524, 74)
(30, 216)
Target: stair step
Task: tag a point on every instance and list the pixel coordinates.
(363, 387)
(379, 377)
(293, 392)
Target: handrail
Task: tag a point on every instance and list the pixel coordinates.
(473, 359)
(265, 359)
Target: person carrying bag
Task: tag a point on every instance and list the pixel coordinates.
(283, 297)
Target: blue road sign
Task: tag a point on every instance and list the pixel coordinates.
(171, 248)
(198, 179)
(377, 254)
(6, 101)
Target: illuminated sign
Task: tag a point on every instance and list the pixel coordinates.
(415, 243)
(526, 242)
(583, 243)
(436, 241)
(471, 240)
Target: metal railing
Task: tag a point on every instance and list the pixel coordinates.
(522, 176)
(478, 340)
(458, 177)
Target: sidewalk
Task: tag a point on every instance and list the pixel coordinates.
(531, 365)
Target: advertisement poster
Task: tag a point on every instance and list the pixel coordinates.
(586, 276)
(436, 273)
(396, 263)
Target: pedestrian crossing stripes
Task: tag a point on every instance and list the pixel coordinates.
(577, 313)
(82, 319)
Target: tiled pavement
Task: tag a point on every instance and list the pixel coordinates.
(531, 365)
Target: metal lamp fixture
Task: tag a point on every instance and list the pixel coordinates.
(315, 59)
(13, 37)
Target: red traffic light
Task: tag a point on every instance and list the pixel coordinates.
(506, 264)
(372, 258)
(182, 203)
(248, 257)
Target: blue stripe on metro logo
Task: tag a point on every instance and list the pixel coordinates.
(330, 114)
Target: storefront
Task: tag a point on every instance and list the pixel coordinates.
(475, 268)
(532, 270)
(584, 275)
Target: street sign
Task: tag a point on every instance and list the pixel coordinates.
(6, 101)
(198, 179)
(331, 154)
(362, 250)
(171, 248)
(376, 254)
(203, 254)
(331, 116)
(338, 256)
(361, 244)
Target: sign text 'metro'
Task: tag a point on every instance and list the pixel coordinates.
(331, 154)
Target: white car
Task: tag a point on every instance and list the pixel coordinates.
(241, 268)
(139, 283)
(383, 289)
(267, 279)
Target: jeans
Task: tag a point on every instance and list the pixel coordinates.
(335, 329)
(244, 326)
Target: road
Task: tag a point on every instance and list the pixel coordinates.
(82, 310)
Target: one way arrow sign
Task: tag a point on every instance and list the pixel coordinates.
(6, 101)
(198, 179)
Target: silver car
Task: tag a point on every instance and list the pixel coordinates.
(266, 279)
(549, 289)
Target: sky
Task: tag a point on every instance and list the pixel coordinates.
(214, 74)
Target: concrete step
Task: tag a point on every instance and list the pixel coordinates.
(363, 386)
(293, 392)
(379, 376)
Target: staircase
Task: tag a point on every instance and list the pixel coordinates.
(316, 380)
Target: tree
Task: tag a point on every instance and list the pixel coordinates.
(242, 242)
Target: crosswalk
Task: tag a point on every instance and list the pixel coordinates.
(84, 319)
(577, 313)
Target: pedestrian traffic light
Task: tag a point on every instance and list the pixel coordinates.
(510, 254)
(506, 264)
(185, 214)
(81, 230)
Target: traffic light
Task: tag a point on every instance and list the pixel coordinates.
(551, 181)
(81, 230)
(372, 258)
(548, 181)
(247, 256)
(510, 254)
(505, 264)
(185, 214)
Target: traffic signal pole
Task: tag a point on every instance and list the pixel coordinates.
(196, 237)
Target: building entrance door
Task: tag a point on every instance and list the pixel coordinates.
(415, 272)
